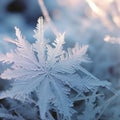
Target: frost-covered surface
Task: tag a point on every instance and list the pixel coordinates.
(86, 22)
(49, 71)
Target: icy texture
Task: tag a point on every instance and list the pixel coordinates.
(49, 71)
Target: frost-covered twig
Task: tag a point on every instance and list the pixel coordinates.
(107, 103)
(47, 17)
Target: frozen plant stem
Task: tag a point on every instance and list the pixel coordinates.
(107, 103)
(47, 17)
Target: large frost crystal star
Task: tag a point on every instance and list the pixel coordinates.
(48, 71)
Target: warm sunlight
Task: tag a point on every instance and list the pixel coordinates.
(95, 8)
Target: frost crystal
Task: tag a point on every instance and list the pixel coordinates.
(49, 71)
